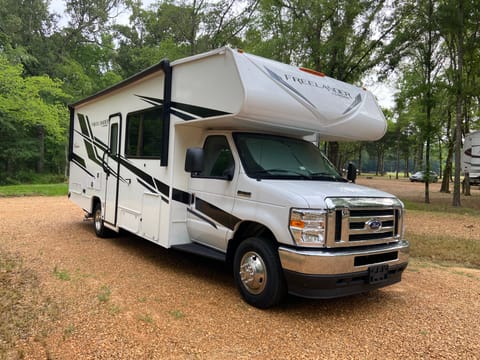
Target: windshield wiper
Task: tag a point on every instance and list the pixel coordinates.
(326, 176)
(283, 171)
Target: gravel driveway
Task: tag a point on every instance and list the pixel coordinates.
(125, 298)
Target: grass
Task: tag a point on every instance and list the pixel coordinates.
(441, 207)
(104, 294)
(60, 189)
(177, 314)
(444, 249)
(24, 310)
(146, 318)
(61, 274)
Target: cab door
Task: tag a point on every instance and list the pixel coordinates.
(210, 216)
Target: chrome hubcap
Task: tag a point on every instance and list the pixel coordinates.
(98, 220)
(253, 272)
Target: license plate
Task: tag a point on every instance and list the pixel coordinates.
(377, 273)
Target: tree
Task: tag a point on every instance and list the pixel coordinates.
(33, 121)
(176, 29)
(426, 62)
(459, 24)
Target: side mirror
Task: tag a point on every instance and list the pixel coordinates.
(194, 160)
(351, 172)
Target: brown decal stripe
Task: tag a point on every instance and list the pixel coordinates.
(226, 219)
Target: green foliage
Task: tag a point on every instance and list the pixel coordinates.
(33, 118)
(177, 314)
(43, 65)
(61, 274)
(104, 294)
(51, 189)
(343, 39)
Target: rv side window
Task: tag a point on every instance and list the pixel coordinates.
(113, 139)
(218, 159)
(144, 134)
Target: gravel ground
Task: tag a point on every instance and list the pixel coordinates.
(125, 298)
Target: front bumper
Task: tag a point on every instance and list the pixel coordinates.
(328, 273)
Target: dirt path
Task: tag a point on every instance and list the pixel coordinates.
(125, 298)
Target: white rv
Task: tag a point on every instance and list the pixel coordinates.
(207, 155)
(471, 157)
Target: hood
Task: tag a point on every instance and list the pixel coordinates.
(314, 193)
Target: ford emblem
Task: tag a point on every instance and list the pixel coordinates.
(374, 224)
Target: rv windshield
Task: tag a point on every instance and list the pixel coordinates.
(267, 156)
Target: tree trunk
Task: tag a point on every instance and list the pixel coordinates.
(333, 150)
(360, 160)
(456, 202)
(440, 157)
(447, 173)
(466, 185)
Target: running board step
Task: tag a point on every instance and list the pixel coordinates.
(201, 250)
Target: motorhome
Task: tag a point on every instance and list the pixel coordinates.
(471, 157)
(210, 155)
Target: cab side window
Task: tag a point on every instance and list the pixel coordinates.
(218, 159)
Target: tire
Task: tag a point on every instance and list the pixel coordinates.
(258, 273)
(98, 224)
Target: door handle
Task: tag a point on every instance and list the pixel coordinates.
(244, 193)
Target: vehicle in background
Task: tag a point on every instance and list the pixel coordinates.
(420, 176)
(471, 157)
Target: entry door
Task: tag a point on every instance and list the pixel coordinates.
(209, 218)
(112, 168)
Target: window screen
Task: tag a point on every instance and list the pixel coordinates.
(144, 134)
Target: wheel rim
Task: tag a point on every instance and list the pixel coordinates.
(98, 220)
(253, 272)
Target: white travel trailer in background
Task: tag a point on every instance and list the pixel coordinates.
(471, 157)
(207, 155)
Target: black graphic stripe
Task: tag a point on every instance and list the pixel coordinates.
(83, 125)
(198, 111)
(200, 216)
(182, 196)
(139, 173)
(100, 143)
(182, 115)
(143, 183)
(468, 152)
(226, 219)
(154, 185)
(91, 152)
(162, 187)
(79, 160)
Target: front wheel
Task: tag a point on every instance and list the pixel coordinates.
(258, 273)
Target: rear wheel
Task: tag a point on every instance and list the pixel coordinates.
(98, 224)
(258, 273)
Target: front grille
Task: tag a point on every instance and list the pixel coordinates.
(360, 230)
(364, 222)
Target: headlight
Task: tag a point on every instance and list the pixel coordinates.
(308, 226)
